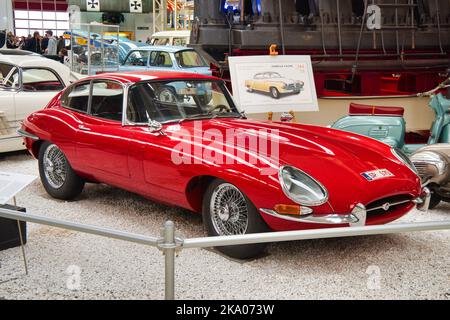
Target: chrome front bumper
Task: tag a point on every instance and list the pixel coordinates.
(356, 218)
(25, 134)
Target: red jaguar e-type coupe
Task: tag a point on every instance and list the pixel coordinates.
(178, 138)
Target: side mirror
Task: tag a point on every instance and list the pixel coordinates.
(155, 127)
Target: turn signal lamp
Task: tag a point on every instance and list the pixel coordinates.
(292, 210)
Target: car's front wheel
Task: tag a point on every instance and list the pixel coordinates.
(227, 211)
(274, 93)
(57, 176)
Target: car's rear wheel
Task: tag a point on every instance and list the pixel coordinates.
(274, 93)
(57, 176)
(227, 211)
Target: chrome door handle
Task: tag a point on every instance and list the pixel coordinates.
(83, 128)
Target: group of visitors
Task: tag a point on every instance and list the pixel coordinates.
(48, 45)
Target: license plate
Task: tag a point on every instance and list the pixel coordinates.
(377, 174)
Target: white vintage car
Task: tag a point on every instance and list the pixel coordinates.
(27, 84)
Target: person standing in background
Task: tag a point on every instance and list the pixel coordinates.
(34, 44)
(44, 42)
(10, 41)
(52, 44)
(61, 43)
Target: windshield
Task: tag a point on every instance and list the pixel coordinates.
(179, 100)
(190, 59)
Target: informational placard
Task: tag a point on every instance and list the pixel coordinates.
(273, 83)
(11, 184)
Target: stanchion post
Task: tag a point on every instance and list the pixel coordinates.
(169, 252)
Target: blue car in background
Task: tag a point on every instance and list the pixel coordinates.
(165, 58)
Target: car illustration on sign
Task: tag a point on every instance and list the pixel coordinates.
(274, 84)
(166, 136)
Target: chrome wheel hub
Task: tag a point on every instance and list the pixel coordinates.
(54, 163)
(228, 209)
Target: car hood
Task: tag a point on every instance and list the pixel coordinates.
(337, 159)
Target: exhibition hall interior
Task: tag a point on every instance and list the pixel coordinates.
(225, 150)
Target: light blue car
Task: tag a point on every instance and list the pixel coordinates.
(165, 58)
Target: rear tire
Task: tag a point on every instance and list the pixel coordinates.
(227, 211)
(57, 176)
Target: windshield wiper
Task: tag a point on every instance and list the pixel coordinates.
(199, 117)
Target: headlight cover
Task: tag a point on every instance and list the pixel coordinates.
(401, 156)
(430, 157)
(301, 187)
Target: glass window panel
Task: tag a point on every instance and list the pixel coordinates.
(21, 24)
(22, 32)
(21, 14)
(49, 24)
(62, 16)
(49, 15)
(35, 15)
(35, 24)
(63, 25)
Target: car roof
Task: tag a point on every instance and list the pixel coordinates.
(17, 52)
(133, 77)
(177, 33)
(32, 61)
(162, 48)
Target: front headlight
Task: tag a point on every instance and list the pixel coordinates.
(400, 155)
(302, 188)
(432, 158)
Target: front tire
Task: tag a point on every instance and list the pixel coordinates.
(227, 211)
(435, 200)
(57, 176)
(274, 93)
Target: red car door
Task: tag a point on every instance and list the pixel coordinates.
(102, 141)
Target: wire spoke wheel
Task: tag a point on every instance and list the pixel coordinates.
(55, 166)
(229, 210)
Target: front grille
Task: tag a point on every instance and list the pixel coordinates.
(422, 168)
(293, 86)
(387, 205)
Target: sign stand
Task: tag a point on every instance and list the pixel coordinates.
(11, 184)
(22, 246)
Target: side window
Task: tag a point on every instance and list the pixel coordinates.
(153, 56)
(77, 97)
(107, 100)
(137, 58)
(35, 79)
(163, 60)
(9, 76)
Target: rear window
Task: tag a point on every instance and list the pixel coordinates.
(77, 97)
(190, 59)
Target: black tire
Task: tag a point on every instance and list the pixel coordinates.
(255, 224)
(435, 200)
(275, 93)
(71, 186)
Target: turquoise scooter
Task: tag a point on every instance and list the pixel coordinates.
(388, 125)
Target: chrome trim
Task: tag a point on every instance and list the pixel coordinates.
(287, 193)
(423, 202)
(327, 219)
(388, 205)
(25, 134)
